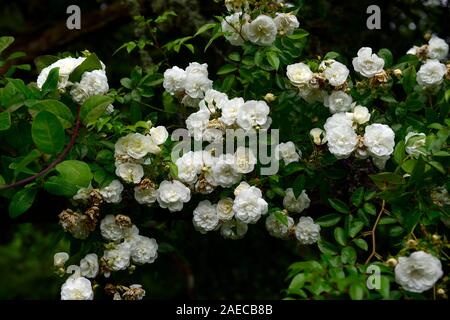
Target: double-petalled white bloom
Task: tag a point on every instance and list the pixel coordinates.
(431, 73)
(230, 110)
(418, 272)
(113, 192)
(296, 204)
(341, 137)
(415, 143)
(143, 249)
(286, 23)
(197, 82)
(159, 135)
(136, 146)
(111, 230)
(89, 266)
(205, 217)
(77, 288)
(197, 123)
(244, 160)
(306, 231)
(130, 172)
(287, 152)
(66, 67)
(174, 80)
(225, 209)
(278, 229)
(335, 72)
(145, 194)
(190, 166)
(252, 113)
(249, 205)
(233, 229)
(118, 258)
(60, 258)
(359, 115)
(172, 195)
(262, 31)
(92, 83)
(299, 74)
(213, 101)
(368, 64)
(232, 28)
(338, 101)
(224, 171)
(437, 48)
(379, 140)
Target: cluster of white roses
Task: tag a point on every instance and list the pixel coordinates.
(190, 84)
(418, 272)
(340, 134)
(112, 193)
(231, 216)
(133, 151)
(125, 247)
(238, 27)
(92, 82)
(436, 49)
(306, 231)
(315, 86)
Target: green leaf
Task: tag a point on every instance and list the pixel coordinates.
(21, 202)
(329, 220)
(51, 83)
(361, 243)
(356, 291)
(409, 79)
(75, 172)
(5, 121)
(417, 173)
(228, 68)
(59, 186)
(273, 59)
(5, 42)
(408, 165)
(59, 109)
(399, 152)
(370, 208)
(387, 56)
(91, 63)
(340, 236)
(327, 247)
(94, 108)
(355, 227)
(339, 205)
(20, 166)
(205, 28)
(44, 61)
(437, 166)
(348, 255)
(387, 180)
(47, 133)
(298, 34)
(297, 282)
(358, 196)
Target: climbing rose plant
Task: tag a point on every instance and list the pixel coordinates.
(357, 149)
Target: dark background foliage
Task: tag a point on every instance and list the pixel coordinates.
(201, 266)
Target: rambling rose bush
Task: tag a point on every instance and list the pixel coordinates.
(361, 157)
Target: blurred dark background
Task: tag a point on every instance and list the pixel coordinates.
(251, 268)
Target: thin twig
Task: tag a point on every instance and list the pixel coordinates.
(60, 158)
(372, 232)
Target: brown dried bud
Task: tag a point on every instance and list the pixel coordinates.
(379, 79)
(216, 124)
(147, 184)
(96, 198)
(123, 221)
(447, 74)
(134, 292)
(110, 289)
(76, 223)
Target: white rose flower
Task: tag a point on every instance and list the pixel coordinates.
(335, 72)
(437, 48)
(60, 258)
(113, 192)
(286, 23)
(111, 231)
(244, 160)
(190, 166)
(379, 140)
(172, 195)
(66, 66)
(413, 50)
(230, 111)
(159, 135)
(262, 31)
(197, 82)
(233, 229)
(174, 80)
(77, 288)
(288, 152)
(213, 101)
(418, 272)
(249, 205)
(139, 145)
(415, 143)
(118, 258)
(293, 204)
(232, 26)
(92, 83)
(338, 120)
(224, 172)
(318, 136)
(342, 141)
(225, 209)
(299, 74)
(130, 172)
(89, 266)
(143, 249)
(205, 217)
(338, 101)
(145, 195)
(83, 193)
(278, 229)
(252, 113)
(360, 115)
(431, 73)
(197, 123)
(241, 187)
(368, 64)
(306, 231)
